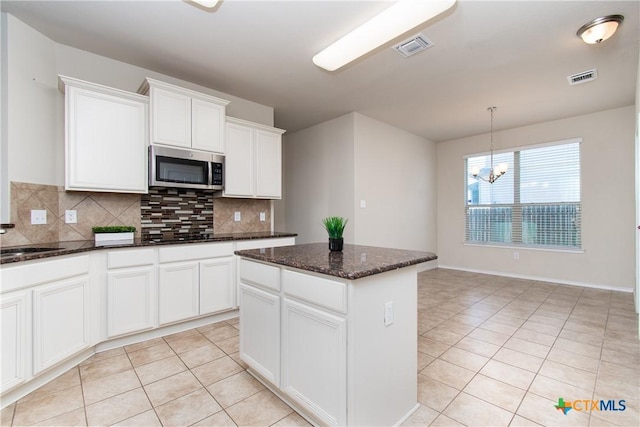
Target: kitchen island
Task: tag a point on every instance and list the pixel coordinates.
(333, 334)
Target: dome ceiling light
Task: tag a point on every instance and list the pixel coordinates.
(209, 4)
(600, 29)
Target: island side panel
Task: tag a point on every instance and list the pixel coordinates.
(382, 359)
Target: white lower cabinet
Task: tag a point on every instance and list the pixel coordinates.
(178, 291)
(129, 300)
(60, 321)
(15, 338)
(131, 291)
(314, 361)
(321, 342)
(195, 280)
(54, 310)
(217, 285)
(260, 342)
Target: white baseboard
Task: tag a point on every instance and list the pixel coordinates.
(538, 278)
(429, 265)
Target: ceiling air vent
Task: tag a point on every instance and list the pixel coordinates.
(412, 46)
(583, 77)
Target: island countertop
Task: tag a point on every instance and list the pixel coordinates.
(354, 262)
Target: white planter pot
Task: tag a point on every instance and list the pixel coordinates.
(108, 239)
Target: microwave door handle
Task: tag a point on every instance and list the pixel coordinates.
(210, 167)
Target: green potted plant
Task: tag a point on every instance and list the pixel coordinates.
(113, 235)
(335, 227)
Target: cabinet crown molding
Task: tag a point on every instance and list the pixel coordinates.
(254, 125)
(149, 82)
(64, 81)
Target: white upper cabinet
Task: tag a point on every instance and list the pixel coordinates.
(253, 166)
(239, 161)
(106, 138)
(207, 126)
(170, 118)
(184, 118)
(268, 164)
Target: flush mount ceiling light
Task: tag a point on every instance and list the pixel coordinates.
(209, 4)
(394, 21)
(600, 29)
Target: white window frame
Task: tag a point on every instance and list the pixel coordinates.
(517, 241)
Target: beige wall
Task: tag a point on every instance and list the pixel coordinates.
(608, 188)
(34, 120)
(395, 173)
(330, 167)
(319, 178)
(33, 146)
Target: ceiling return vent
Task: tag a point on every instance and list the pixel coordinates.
(585, 76)
(410, 47)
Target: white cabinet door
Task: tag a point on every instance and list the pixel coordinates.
(130, 300)
(207, 126)
(268, 164)
(239, 161)
(106, 139)
(260, 340)
(314, 361)
(217, 285)
(15, 335)
(178, 291)
(170, 118)
(253, 160)
(60, 322)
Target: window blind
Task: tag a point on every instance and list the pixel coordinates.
(536, 203)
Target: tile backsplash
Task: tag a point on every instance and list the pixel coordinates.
(250, 209)
(93, 209)
(176, 211)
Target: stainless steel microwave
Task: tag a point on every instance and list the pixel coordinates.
(175, 167)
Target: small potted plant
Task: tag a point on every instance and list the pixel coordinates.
(335, 227)
(113, 235)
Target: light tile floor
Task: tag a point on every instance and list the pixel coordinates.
(491, 351)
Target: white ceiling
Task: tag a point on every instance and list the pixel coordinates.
(515, 55)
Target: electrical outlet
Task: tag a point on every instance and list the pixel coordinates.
(237, 216)
(38, 216)
(363, 204)
(70, 217)
(263, 217)
(516, 255)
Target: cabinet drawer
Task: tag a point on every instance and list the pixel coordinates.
(186, 252)
(260, 274)
(316, 290)
(129, 258)
(37, 272)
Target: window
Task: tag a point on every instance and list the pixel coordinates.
(536, 203)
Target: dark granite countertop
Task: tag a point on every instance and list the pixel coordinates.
(354, 262)
(47, 250)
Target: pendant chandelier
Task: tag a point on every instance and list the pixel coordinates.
(494, 172)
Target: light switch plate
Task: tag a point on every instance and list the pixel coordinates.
(263, 216)
(38, 216)
(237, 216)
(388, 313)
